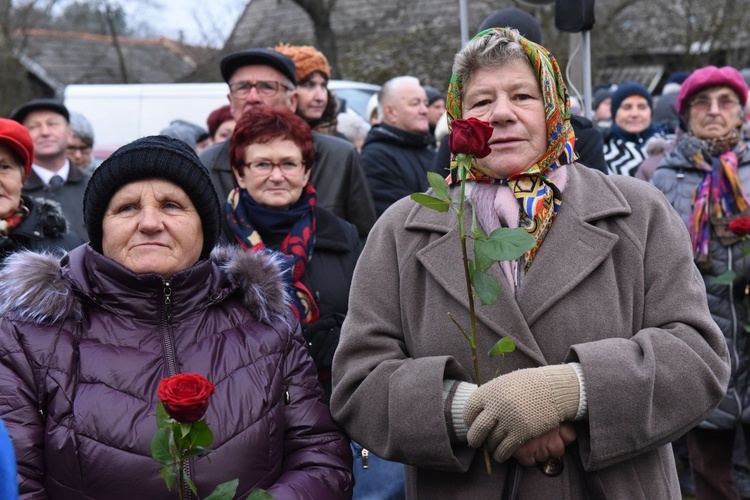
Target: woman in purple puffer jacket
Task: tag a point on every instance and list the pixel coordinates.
(85, 341)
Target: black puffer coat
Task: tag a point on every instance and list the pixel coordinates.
(44, 229)
(677, 178)
(396, 163)
(84, 344)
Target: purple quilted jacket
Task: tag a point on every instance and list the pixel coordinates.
(84, 344)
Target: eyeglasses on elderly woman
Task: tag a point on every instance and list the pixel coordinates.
(705, 103)
(265, 167)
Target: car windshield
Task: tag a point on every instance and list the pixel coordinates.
(356, 95)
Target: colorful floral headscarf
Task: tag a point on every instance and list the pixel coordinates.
(538, 196)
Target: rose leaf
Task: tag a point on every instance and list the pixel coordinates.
(486, 286)
(431, 202)
(503, 346)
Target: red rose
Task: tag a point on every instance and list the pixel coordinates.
(740, 227)
(470, 137)
(185, 396)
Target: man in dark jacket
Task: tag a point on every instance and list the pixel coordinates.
(399, 151)
(258, 77)
(52, 176)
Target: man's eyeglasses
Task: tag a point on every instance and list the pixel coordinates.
(80, 149)
(704, 104)
(264, 88)
(264, 167)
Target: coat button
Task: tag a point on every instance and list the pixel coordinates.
(552, 467)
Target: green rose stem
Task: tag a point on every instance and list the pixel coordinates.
(472, 313)
(502, 244)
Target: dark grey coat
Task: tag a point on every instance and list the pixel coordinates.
(45, 229)
(677, 179)
(69, 196)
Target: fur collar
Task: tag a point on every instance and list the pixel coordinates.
(37, 289)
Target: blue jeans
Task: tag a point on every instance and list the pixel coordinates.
(381, 480)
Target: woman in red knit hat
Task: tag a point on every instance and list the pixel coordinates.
(26, 223)
(707, 180)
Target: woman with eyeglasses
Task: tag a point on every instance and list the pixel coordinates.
(632, 127)
(707, 180)
(274, 209)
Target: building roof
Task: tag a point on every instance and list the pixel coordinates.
(370, 36)
(62, 58)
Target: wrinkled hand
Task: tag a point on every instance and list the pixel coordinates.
(515, 408)
(549, 445)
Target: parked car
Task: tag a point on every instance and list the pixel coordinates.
(354, 94)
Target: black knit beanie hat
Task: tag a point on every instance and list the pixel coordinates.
(625, 90)
(160, 157)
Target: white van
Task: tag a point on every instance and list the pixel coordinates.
(121, 113)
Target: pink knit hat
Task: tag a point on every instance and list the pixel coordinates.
(710, 76)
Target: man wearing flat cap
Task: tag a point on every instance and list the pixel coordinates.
(265, 77)
(52, 177)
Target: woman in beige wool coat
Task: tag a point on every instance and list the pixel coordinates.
(617, 354)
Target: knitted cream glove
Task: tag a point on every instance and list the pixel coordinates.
(512, 409)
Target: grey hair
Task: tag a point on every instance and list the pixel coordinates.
(82, 128)
(390, 88)
(488, 51)
(352, 125)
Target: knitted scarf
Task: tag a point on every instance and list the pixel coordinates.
(12, 221)
(248, 220)
(719, 196)
(538, 197)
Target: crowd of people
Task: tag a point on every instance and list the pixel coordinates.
(278, 253)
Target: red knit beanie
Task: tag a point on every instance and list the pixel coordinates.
(16, 137)
(710, 76)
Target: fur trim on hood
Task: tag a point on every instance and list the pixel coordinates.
(259, 275)
(35, 289)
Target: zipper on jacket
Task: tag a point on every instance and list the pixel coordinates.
(167, 329)
(365, 458)
(172, 362)
(735, 354)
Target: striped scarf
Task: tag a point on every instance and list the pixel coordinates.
(538, 197)
(719, 196)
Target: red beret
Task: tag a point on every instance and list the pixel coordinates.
(16, 137)
(710, 76)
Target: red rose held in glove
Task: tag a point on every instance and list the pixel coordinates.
(470, 137)
(740, 227)
(185, 396)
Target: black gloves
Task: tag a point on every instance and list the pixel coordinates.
(322, 338)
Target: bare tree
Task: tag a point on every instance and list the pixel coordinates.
(325, 39)
(109, 18)
(15, 86)
(679, 34)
